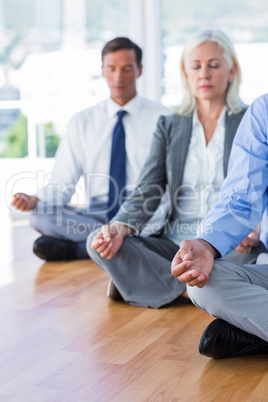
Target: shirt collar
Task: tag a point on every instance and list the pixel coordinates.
(132, 107)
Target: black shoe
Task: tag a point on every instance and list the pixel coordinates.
(221, 339)
(53, 249)
(113, 293)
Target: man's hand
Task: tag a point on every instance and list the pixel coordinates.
(24, 202)
(251, 241)
(109, 239)
(193, 262)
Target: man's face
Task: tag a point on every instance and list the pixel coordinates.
(121, 71)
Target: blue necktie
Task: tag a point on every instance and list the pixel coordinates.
(117, 181)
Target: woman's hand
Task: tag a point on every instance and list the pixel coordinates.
(109, 239)
(251, 241)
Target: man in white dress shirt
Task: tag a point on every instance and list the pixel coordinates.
(86, 151)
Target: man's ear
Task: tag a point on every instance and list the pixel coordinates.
(140, 70)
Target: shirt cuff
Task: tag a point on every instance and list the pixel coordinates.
(219, 241)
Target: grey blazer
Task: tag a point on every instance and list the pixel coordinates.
(165, 166)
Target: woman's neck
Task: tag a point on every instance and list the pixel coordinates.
(208, 114)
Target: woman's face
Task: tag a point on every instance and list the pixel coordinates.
(207, 72)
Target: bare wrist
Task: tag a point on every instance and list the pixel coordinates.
(124, 230)
(34, 200)
(210, 248)
(258, 228)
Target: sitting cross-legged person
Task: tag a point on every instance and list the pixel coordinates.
(236, 294)
(107, 145)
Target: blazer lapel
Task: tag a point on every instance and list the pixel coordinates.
(179, 140)
(232, 122)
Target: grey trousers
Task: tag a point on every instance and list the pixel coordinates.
(69, 223)
(76, 223)
(237, 294)
(141, 270)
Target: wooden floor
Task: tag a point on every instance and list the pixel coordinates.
(62, 340)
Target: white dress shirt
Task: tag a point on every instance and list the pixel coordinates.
(202, 180)
(86, 147)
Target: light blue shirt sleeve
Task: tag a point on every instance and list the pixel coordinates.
(244, 194)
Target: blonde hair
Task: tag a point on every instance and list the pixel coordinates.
(233, 100)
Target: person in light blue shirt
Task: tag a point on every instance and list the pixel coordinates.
(236, 294)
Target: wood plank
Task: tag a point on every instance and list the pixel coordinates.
(61, 339)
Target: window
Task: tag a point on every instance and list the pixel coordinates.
(50, 67)
(50, 57)
(245, 22)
